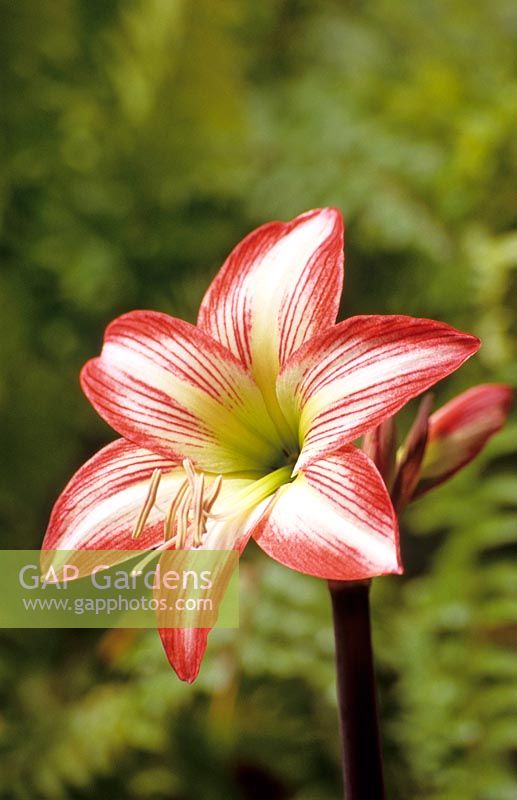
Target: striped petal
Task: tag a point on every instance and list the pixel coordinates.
(363, 370)
(460, 429)
(280, 286)
(334, 521)
(185, 647)
(100, 506)
(169, 387)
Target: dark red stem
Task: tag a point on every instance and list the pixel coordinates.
(356, 691)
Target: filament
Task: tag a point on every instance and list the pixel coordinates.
(197, 511)
(173, 510)
(148, 503)
(149, 556)
(191, 507)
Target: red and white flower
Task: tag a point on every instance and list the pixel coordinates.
(460, 429)
(438, 445)
(244, 424)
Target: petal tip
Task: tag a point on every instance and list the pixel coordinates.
(395, 566)
(184, 649)
(332, 211)
(185, 672)
(330, 216)
(475, 342)
(334, 214)
(399, 568)
(189, 677)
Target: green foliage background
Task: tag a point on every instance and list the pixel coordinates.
(142, 139)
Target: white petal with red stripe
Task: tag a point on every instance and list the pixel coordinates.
(101, 504)
(361, 371)
(99, 507)
(278, 287)
(334, 521)
(167, 386)
(185, 647)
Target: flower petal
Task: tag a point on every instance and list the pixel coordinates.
(169, 387)
(278, 287)
(460, 429)
(99, 507)
(334, 521)
(362, 371)
(98, 510)
(185, 647)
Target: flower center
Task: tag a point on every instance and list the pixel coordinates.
(252, 495)
(191, 507)
(188, 511)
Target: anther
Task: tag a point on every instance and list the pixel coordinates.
(191, 473)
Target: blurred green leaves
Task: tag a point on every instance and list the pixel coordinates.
(141, 139)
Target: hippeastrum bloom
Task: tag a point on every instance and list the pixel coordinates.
(244, 424)
(438, 445)
(460, 429)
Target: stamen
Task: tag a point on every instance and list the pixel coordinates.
(148, 503)
(197, 503)
(188, 511)
(191, 472)
(213, 494)
(182, 515)
(173, 510)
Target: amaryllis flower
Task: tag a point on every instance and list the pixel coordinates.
(460, 429)
(244, 424)
(438, 445)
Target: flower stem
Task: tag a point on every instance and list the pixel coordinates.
(356, 689)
